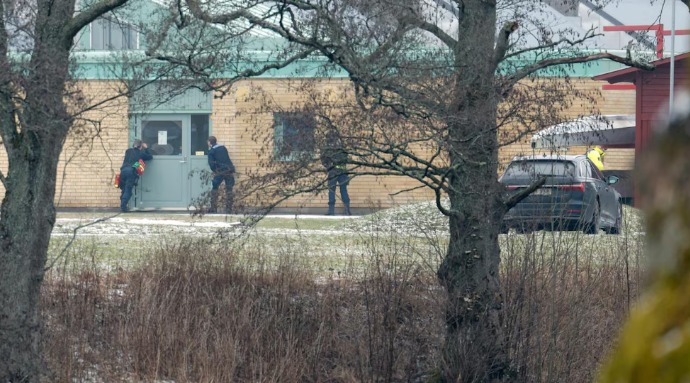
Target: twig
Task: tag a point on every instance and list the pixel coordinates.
(522, 194)
(74, 236)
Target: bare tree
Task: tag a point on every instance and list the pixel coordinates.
(433, 84)
(41, 104)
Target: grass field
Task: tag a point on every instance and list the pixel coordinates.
(175, 298)
(327, 245)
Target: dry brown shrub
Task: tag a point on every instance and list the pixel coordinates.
(195, 312)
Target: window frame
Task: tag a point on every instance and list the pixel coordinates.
(279, 129)
(123, 27)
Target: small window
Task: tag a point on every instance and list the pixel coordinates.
(164, 138)
(536, 168)
(107, 34)
(294, 136)
(200, 133)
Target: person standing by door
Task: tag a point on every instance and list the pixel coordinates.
(128, 174)
(334, 159)
(223, 172)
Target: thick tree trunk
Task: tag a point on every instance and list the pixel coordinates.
(474, 349)
(27, 217)
(33, 132)
(27, 220)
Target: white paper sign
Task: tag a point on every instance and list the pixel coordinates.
(162, 137)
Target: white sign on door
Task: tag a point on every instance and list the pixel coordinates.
(162, 137)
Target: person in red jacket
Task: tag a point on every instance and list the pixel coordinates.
(223, 172)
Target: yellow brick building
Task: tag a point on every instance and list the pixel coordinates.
(93, 154)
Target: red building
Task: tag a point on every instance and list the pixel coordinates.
(652, 89)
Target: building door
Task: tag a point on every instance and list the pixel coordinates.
(164, 184)
(175, 178)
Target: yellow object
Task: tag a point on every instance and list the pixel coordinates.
(595, 155)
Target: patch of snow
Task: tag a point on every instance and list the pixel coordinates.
(312, 216)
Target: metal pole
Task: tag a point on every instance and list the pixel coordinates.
(673, 58)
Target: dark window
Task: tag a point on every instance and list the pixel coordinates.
(164, 138)
(107, 34)
(521, 169)
(294, 136)
(199, 135)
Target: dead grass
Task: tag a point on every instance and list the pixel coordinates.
(197, 310)
(195, 314)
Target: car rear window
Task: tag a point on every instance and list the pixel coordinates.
(532, 168)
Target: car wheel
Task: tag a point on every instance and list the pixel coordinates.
(594, 225)
(616, 228)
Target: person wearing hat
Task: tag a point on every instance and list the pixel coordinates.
(596, 155)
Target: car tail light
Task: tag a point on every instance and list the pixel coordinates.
(513, 187)
(576, 187)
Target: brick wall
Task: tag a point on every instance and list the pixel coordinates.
(244, 122)
(92, 156)
(92, 153)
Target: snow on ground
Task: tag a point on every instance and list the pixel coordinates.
(164, 225)
(313, 216)
(140, 226)
(417, 219)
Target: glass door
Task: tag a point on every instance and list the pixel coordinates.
(199, 180)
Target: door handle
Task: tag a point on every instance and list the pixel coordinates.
(183, 162)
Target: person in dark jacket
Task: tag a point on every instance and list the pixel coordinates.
(334, 159)
(128, 175)
(223, 171)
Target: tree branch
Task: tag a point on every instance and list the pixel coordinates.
(88, 15)
(431, 28)
(74, 236)
(3, 39)
(225, 18)
(565, 42)
(524, 193)
(244, 74)
(504, 41)
(513, 79)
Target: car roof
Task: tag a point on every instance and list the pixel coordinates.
(550, 157)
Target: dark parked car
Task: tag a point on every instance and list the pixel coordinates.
(576, 195)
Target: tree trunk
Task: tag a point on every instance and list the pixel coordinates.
(474, 350)
(28, 216)
(27, 219)
(33, 132)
